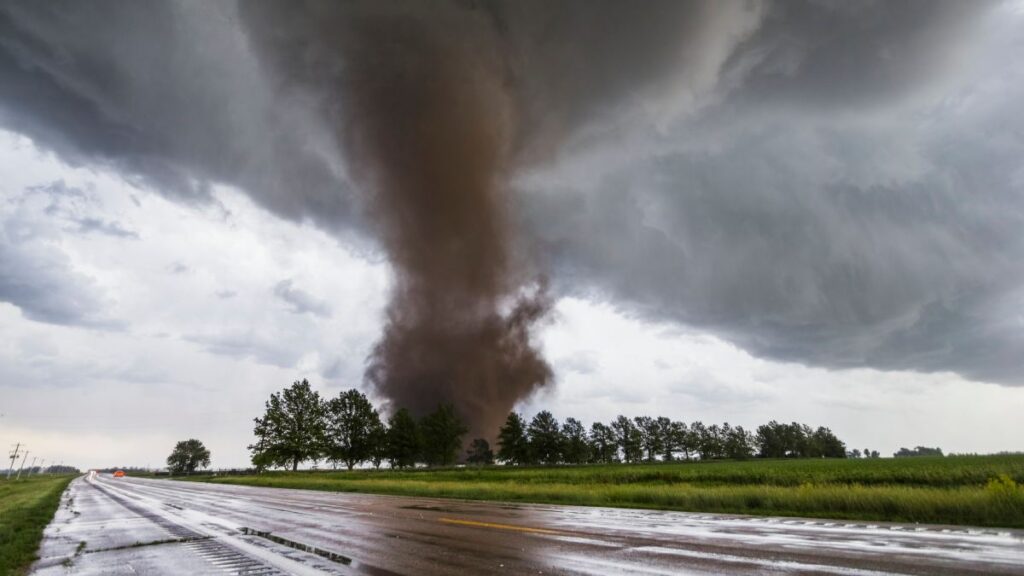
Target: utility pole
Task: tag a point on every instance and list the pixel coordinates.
(14, 458)
(41, 463)
(22, 467)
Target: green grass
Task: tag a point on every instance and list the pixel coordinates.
(26, 507)
(970, 490)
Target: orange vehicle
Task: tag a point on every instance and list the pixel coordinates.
(119, 474)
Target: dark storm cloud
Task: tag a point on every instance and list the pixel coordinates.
(877, 227)
(819, 181)
(300, 301)
(168, 95)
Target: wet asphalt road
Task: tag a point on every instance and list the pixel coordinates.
(141, 526)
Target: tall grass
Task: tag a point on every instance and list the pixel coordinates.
(976, 490)
(26, 507)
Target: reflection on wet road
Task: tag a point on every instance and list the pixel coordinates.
(141, 526)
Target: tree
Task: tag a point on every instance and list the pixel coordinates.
(651, 437)
(378, 443)
(442, 433)
(676, 440)
(697, 437)
(669, 443)
(291, 430)
(575, 448)
(187, 456)
(739, 444)
(604, 446)
(402, 440)
(771, 439)
(793, 440)
(513, 446)
(827, 444)
(628, 437)
(918, 451)
(352, 428)
(480, 452)
(691, 440)
(545, 438)
(711, 443)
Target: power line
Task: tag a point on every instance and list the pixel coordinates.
(14, 457)
(22, 467)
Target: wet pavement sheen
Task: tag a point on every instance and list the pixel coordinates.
(144, 526)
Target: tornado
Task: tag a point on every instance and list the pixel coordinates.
(435, 107)
(429, 127)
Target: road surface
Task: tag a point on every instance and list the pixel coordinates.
(129, 525)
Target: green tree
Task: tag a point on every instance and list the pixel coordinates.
(676, 440)
(651, 438)
(828, 445)
(604, 446)
(772, 441)
(187, 456)
(378, 443)
(480, 452)
(669, 445)
(352, 425)
(545, 438)
(291, 430)
(442, 432)
(698, 436)
(629, 439)
(513, 446)
(403, 440)
(576, 446)
(918, 451)
(738, 443)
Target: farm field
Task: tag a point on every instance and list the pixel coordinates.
(967, 490)
(26, 507)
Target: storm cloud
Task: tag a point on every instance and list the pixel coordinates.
(831, 183)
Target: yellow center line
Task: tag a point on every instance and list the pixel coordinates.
(500, 526)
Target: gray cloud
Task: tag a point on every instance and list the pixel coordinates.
(40, 280)
(178, 268)
(876, 229)
(36, 274)
(301, 302)
(74, 204)
(107, 227)
(830, 186)
(168, 95)
(263, 348)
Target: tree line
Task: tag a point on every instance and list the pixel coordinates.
(299, 426)
(648, 439)
(904, 452)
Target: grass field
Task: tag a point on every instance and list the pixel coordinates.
(26, 507)
(970, 490)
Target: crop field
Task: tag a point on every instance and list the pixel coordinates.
(26, 507)
(968, 490)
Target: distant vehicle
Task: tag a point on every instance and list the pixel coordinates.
(119, 474)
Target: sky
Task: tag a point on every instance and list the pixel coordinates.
(792, 211)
